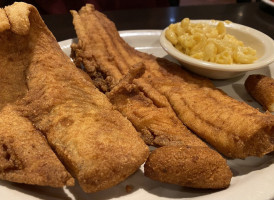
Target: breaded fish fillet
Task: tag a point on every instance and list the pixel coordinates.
(96, 143)
(261, 88)
(12, 63)
(157, 123)
(147, 109)
(232, 127)
(25, 156)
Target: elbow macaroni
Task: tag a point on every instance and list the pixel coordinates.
(209, 43)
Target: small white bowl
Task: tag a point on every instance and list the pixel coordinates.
(262, 43)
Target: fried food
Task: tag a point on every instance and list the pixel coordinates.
(95, 142)
(25, 156)
(193, 167)
(235, 129)
(158, 124)
(261, 88)
(147, 109)
(12, 67)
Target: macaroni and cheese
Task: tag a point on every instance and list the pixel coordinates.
(209, 43)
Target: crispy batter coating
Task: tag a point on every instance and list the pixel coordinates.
(13, 63)
(188, 166)
(96, 143)
(147, 109)
(261, 88)
(4, 23)
(25, 156)
(157, 122)
(232, 127)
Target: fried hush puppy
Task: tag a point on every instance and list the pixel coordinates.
(194, 167)
(261, 88)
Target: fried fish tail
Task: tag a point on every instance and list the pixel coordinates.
(25, 156)
(194, 167)
(261, 88)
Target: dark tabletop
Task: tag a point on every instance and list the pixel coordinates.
(255, 15)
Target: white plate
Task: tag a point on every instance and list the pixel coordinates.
(269, 2)
(253, 178)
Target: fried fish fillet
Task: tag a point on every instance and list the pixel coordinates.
(13, 63)
(232, 127)
(158, 124)
(25, 156)
(95, 142)
(147, 109)
(261, 88)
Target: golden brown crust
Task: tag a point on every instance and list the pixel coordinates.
(188, 166)
(96, 143)
(25, 156)
(232, 127)
(13, 63)
(147, 109)
(156, 122)
(4, 23)
(261, 88)
(87, 54)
